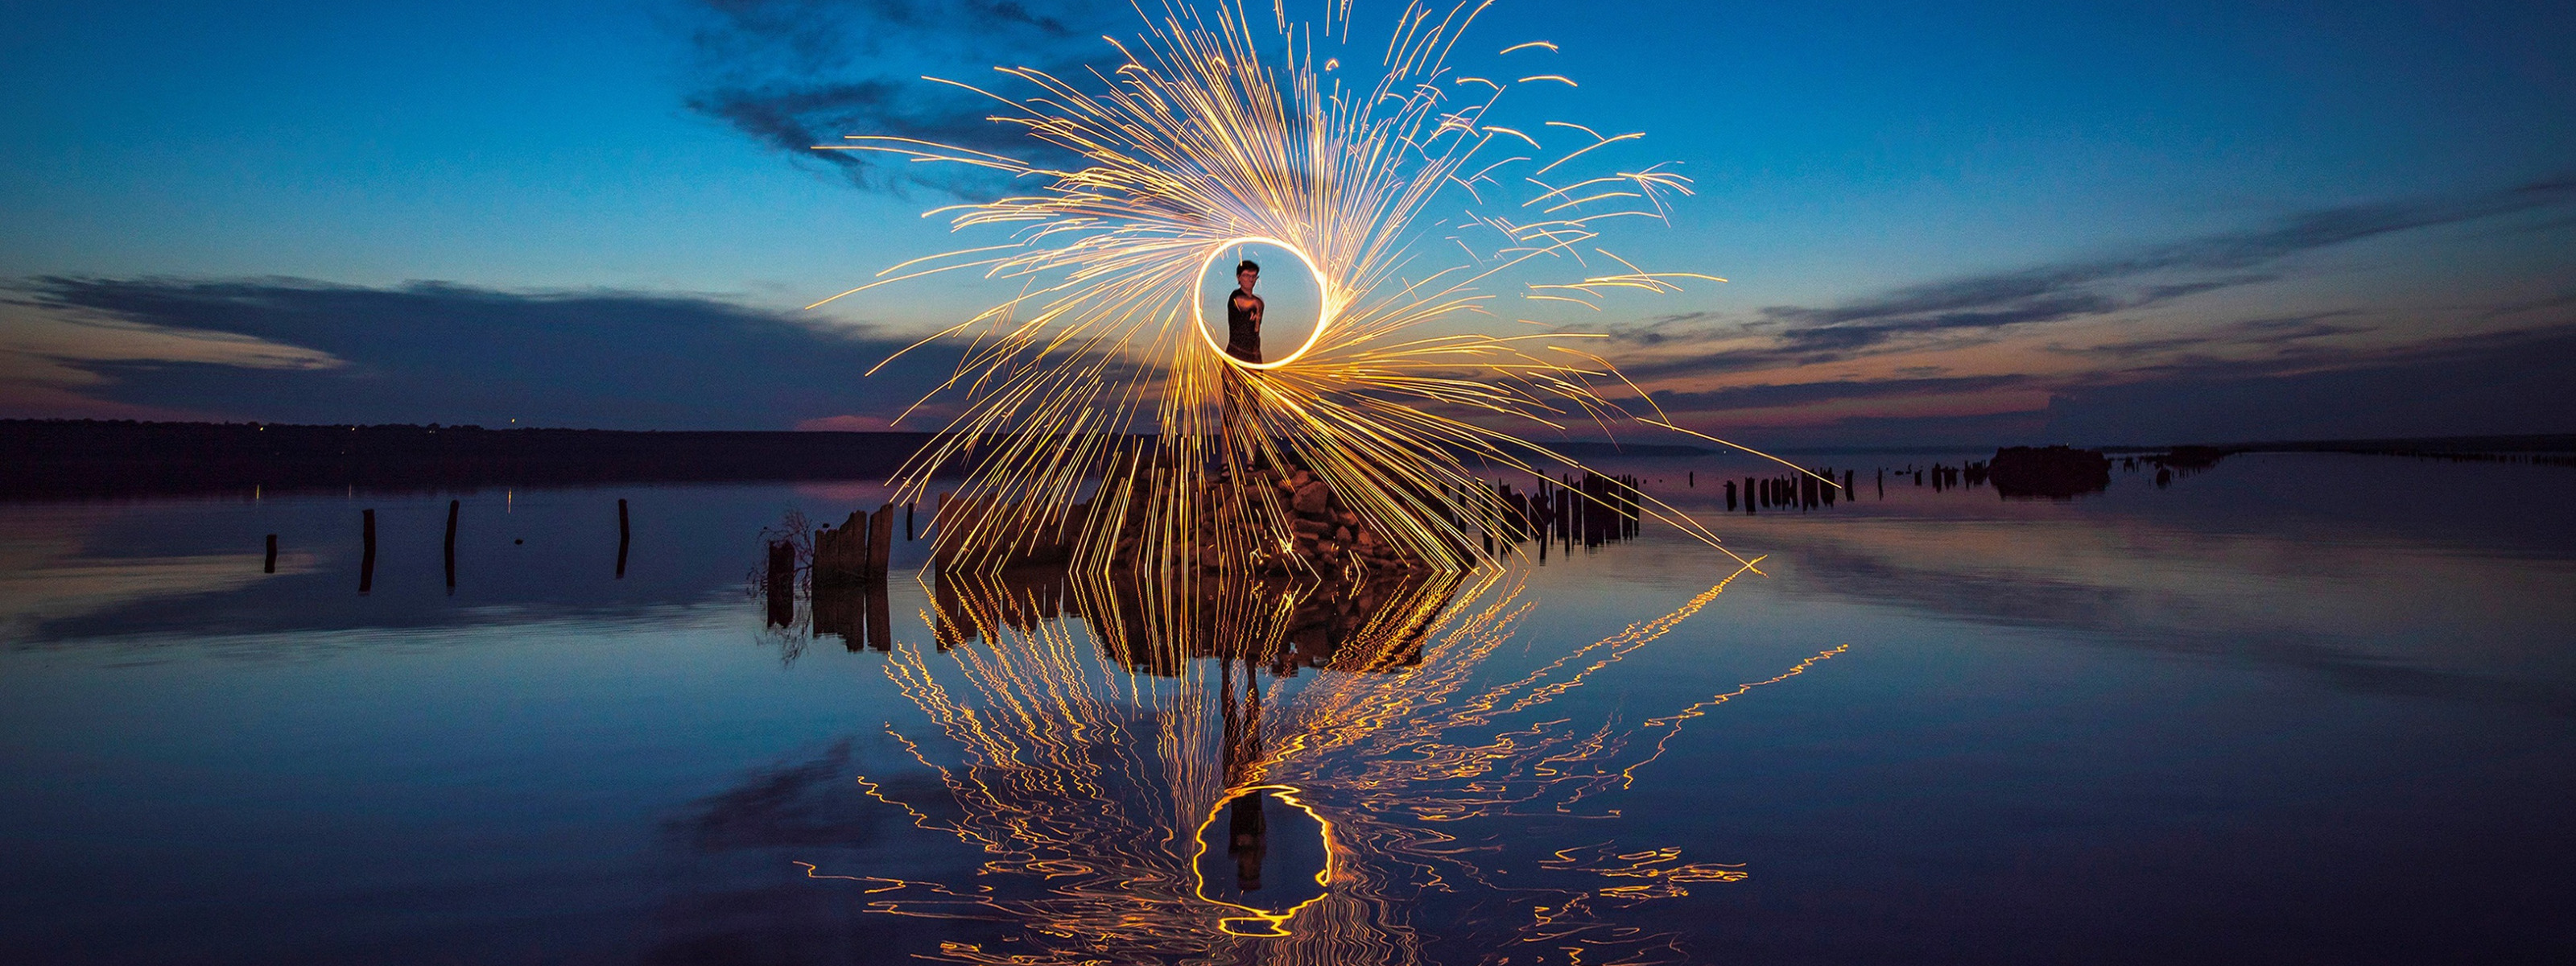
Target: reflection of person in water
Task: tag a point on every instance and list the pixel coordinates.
(1243, 315)
(1247, 838)
(1247, 830)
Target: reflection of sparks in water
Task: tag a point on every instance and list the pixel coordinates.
(1210, 131)
(1087, 773)
(1258, 922)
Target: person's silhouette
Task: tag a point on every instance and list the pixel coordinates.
(1243, 315)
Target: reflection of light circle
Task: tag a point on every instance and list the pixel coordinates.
(1198, 306)
(1254, 922)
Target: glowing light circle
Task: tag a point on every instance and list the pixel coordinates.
(1323, 315)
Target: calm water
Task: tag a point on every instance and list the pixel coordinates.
(2299, 708)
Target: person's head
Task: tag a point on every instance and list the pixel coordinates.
(1247, 273)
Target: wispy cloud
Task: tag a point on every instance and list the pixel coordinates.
(1812, 393)
(51, 355)
(793, 74)
(1981, 306)
(290, 350)
(2268, 333)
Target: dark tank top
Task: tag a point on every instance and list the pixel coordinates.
(1242, 334)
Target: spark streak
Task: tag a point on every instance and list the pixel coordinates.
(1209, 131)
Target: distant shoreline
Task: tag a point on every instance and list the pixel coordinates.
(117, 459)
(2388, 446)
(121, 459)
(82, 459)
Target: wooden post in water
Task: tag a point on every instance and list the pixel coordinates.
(621, 538)
(841, 553)
(271, 567)
(451, 546)
(367, 557)
(880, 541)
(907, 523)
(859, 544)
(781, 583)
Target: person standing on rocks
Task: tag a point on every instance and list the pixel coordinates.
(1243, 343)
(1243, 315)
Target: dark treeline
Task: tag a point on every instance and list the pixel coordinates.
(2544, 449)
(47, 459)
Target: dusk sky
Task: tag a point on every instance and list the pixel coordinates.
(1972, 224)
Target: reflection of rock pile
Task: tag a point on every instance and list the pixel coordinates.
(2056, 472)
(1279, 622)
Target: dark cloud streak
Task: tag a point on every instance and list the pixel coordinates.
(1809, 393)
(1980, 305)
(454, 354)
(793, 74)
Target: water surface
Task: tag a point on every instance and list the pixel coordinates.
(2296, 708)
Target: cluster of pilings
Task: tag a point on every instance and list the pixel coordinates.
(856, 550)
(455, 510)
(1814, 489)
(850, 600)
(847, 577)
(1589, 511)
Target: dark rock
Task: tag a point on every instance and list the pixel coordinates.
(1312, 498)
(2053, 472)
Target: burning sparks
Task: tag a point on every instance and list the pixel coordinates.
(1210, 132)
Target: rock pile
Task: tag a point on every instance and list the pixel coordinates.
(1325, 536)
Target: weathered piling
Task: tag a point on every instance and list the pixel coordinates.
(780, 582)
(858, 549)
(841, 553)
(271, 566)
(621, 538)
(451, 544)
(880, 541)
(1565, 516)
(367, 556)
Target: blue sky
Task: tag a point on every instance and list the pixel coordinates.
(1979, 222)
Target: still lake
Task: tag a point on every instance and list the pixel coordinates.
(2296, 708)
